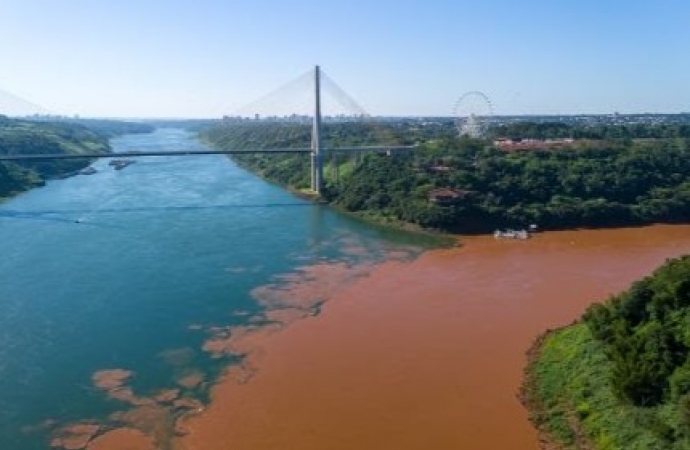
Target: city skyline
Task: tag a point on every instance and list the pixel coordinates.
(406, 58)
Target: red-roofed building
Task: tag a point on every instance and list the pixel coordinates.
(447, 196)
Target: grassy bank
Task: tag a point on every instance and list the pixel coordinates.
(566, 392)
(618, 378)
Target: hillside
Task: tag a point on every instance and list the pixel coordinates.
(620, 377)
(31, 137)
(591, 183)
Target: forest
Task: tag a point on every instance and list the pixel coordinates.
(591, 183)
(560, 130)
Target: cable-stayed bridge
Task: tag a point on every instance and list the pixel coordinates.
(314, 81)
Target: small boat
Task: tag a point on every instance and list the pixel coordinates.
(119, 164)
(511, 234)
(88, 171)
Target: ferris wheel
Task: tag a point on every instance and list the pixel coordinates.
(472, 111)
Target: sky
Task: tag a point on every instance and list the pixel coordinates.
(209, 58)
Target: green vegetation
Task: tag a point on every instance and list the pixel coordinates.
(112, 128)
(33, 137)
(293, 170)
(641, 178)
(558, 130)
(620, 378)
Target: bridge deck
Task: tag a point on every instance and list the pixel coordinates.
(132, 154)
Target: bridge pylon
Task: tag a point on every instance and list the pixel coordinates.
(316, 155)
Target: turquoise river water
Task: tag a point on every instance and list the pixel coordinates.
(127, 269)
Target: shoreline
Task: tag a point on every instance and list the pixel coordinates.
(376, 218)
(529, 399)
(575, 379)
(535, 408)
(450, 238)
(446, 239)
(56, 177)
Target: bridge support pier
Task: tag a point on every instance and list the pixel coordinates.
(316, 156)
(316, 172)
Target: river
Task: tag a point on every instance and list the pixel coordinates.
(426, 354)
(133, 270)
(195, 307)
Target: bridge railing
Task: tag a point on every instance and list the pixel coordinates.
(133, 154)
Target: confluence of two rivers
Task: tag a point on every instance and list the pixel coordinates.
(189, 282)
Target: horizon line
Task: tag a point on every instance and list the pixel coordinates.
(391, 116)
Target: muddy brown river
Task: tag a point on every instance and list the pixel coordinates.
(417, 355)
(424, 354)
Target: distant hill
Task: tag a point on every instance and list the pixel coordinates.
(106, 127)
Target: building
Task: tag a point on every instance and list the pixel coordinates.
(447, 196)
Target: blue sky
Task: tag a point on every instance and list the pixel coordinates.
(206, 58)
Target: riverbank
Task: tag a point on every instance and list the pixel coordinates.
(370, 218)
(556, 430)
(428, 353)
(616, 378)
(74, 136)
